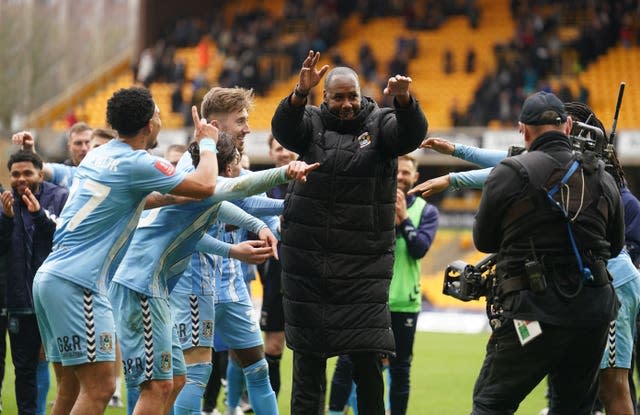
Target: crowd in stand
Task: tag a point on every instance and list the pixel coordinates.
(533, 56)
(258, 48)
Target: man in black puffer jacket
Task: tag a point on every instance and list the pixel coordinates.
(338, 231)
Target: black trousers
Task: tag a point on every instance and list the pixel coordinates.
(24, 339)
(404, 333)
(570, 356)
(310, 383)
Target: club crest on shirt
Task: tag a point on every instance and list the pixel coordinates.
(165, 361)
(364, 140)
(165, 167)
(105, 343)
(207, 329)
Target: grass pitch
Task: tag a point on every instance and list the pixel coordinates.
(443, 373)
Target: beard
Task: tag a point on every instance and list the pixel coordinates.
(152, 144)
(20, 189)
(405, 187)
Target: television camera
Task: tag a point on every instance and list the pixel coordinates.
(468, 282)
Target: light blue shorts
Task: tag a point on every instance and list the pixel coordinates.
(622, 331)
(193, 316)
(76, 324)
(237, 324)
(148, 341)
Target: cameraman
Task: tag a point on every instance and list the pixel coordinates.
(615, 392)
(556, 296)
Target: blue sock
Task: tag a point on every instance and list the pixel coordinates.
(42, 383)
(261, 394)
(133, 394)
(353, 399)
(189, 400)
(235, 383)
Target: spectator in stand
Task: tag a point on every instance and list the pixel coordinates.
(368, 64)
(448, 64)
(28, 221)
(146, 67)
(470, 60)
(177, 100)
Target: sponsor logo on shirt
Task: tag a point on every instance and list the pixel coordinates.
(165, 167)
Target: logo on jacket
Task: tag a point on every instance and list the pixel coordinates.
(364, 140)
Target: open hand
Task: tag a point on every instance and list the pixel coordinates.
(438, 144)
(309, 75)
(251, 252)
(397, 86)
(432, 186)
(25, 140)
(266, 236)
(30, 201)
(298, 170)
(202, 128)
(7, 203)
(401, 207)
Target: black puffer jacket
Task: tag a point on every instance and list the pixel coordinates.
(338, 233)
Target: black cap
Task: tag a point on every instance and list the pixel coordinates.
(536, 108)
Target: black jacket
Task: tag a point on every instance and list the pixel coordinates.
(338, 232)
(516, 219)
(35, 229)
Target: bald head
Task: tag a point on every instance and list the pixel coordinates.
(342, 93)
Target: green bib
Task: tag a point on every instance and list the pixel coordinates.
(404, 294)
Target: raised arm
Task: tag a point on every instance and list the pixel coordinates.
(201, 183)
(261, 181)
(480, 156)
(405, 128)
(251, 252)
(233, 215)
(27, 142)
(288, 122)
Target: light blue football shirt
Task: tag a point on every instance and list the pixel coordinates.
(61, 174)
(199, 276)
(105, 202)
(166, 237)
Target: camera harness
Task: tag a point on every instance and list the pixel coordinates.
(564, 208)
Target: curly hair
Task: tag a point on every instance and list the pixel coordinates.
(225, 101)
(26, 156)
(226, 147)
(130, 109)
(582, 112)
